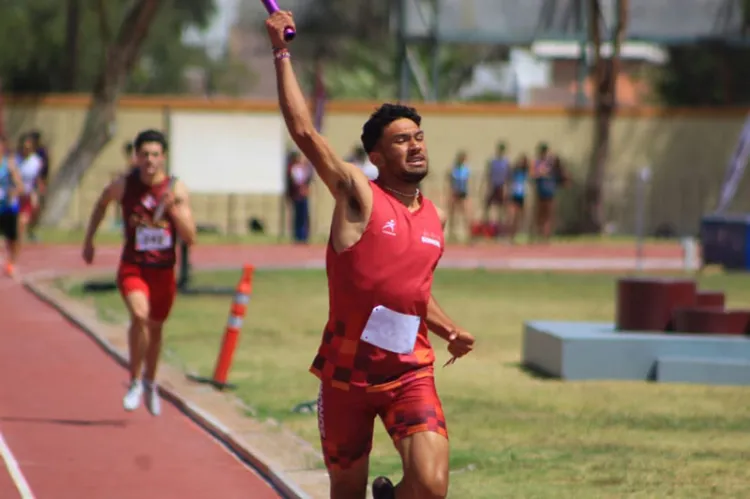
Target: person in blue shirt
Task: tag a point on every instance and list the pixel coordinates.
(498, 169)
(548, 174)
(518, 179)
(11, 188)
(458, 192)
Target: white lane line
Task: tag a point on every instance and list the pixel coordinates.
(14, 470)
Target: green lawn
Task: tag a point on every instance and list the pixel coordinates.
(513, 435)
(110, 235)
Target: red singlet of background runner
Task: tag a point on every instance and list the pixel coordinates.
(139, 202)
(150, 271)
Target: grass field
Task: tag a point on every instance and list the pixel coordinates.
(513, 435)
(109, 235)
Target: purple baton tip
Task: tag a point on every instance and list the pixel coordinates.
(271, 6)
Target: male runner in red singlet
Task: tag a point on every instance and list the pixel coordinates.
(146, 276)
(375, 358)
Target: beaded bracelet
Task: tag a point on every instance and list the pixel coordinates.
(279, 54)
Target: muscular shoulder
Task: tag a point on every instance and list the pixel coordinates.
(180, 191)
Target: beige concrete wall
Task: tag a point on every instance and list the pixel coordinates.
(687, 151)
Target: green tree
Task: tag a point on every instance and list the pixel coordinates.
(42, 45)
(706, 74)
(357, 44)
(161, 67)
(119, 57)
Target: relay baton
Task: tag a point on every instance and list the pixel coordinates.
(160, 209)
(271, 6)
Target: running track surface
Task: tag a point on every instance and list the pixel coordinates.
(63, 432)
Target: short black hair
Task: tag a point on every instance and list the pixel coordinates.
(381, 118)
(150, 136)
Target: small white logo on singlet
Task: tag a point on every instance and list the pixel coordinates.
(148, 201)
(431, 240)
(390, 227)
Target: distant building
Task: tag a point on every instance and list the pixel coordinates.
(633, 85)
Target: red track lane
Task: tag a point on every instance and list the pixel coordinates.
(7, 487)
(68, 257)
(62, 418)
(60, 395)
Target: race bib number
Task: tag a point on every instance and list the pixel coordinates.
(152, 239)
(391, 331)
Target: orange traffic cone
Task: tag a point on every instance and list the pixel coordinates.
(232, 331)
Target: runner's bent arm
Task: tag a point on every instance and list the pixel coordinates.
(113, 192)
(182, 215)
(438, 321)
(343, 179)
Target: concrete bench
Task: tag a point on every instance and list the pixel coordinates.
(702, 370)
(586, 351)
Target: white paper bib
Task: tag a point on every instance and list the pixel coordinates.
(391, 331)
(152, 239)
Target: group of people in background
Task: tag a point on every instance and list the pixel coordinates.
(299, 176)
(507, 185)
(24, 172)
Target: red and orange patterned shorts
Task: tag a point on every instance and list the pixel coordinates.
(346, 418)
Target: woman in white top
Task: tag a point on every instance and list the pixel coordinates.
(30, 166)
(300, 176)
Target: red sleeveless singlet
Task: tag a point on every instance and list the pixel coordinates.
(390, 267)
(146, 243)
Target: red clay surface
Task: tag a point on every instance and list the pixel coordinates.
(7, 487)
(38, 257)
(60, 399)
(62, 418)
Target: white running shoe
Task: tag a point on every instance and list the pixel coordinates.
(153, 402)
(132, 399)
